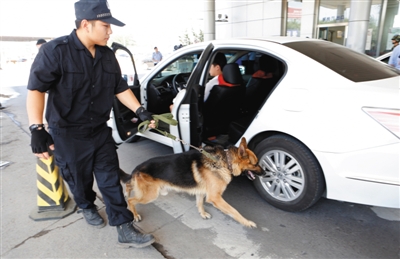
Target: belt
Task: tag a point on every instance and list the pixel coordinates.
(78, 130)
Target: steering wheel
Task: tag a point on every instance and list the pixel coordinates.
(178, 82)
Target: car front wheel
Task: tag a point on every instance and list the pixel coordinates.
(293, 179)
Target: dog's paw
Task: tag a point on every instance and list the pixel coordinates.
(163, 191)
(137, 218)
(250, 224)
(205, 215)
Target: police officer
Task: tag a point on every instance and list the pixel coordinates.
(82, 76)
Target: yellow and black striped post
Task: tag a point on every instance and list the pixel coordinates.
(53, 201)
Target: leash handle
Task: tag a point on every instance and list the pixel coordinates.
(168, 118)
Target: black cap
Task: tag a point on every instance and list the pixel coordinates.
(396, 38)
(40, 41)
(95, 10)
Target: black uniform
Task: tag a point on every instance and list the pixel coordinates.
(81, 91)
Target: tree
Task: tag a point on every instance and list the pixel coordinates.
(126, 40)
(198, 37)
(187, 40)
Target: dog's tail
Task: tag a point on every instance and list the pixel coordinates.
(124, 177)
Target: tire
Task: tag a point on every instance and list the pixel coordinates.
(296, 186)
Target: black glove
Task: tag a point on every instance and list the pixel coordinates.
(40, 141)
(144, 114)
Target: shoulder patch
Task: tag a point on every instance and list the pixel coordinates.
(59, 41)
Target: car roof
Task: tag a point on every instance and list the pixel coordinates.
(348, 63)
(247, 40)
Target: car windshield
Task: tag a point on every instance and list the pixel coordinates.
(354, 66)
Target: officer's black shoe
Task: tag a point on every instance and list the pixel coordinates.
(129, 236)
(92, 217)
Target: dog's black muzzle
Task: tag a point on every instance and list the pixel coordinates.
(252, 174)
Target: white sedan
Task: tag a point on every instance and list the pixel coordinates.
(324, 122)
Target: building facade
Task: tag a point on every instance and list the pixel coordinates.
(366, 26)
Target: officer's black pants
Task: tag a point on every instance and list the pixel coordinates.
(80, 155)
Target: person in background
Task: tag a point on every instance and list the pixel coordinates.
(82, 77)
(394, 59)
(157, 56)
(40, 42)
(265, 65)
(395, 41)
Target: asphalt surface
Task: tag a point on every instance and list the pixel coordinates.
(69, 237)
(22, 237)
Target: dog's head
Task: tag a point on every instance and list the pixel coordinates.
(245, 161)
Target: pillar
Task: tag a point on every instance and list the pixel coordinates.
(358, 24)
(209, 20)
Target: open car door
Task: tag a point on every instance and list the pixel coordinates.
(123, 121)
(188, 105)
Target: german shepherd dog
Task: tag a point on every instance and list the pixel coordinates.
(195, 173)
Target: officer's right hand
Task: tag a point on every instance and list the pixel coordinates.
(145, 115)
(41, 142)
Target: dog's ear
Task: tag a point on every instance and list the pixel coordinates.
(243, 148)
(243, 142)
(242, 151)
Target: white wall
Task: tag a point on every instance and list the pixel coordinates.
(262, 18)
(249, 18)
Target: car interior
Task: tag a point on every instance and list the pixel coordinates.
(228, 111)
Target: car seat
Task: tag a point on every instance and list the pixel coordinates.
(258, 88)
(223, 103)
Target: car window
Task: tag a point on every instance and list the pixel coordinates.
(125, 63)
(353, 65)
(184, 64)
(247, 62)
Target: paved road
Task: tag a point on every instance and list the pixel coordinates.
(330, 229)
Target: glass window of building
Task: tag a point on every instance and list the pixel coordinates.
(293, 23)
(333, 19)
(373, 29)
(384, 23)
(334, 11)
(390, 27)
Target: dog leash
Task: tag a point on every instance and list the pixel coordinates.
(168, 118)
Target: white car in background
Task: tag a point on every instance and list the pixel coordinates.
(385, 57)
(327, 125)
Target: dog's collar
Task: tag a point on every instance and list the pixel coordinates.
(229, 160)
